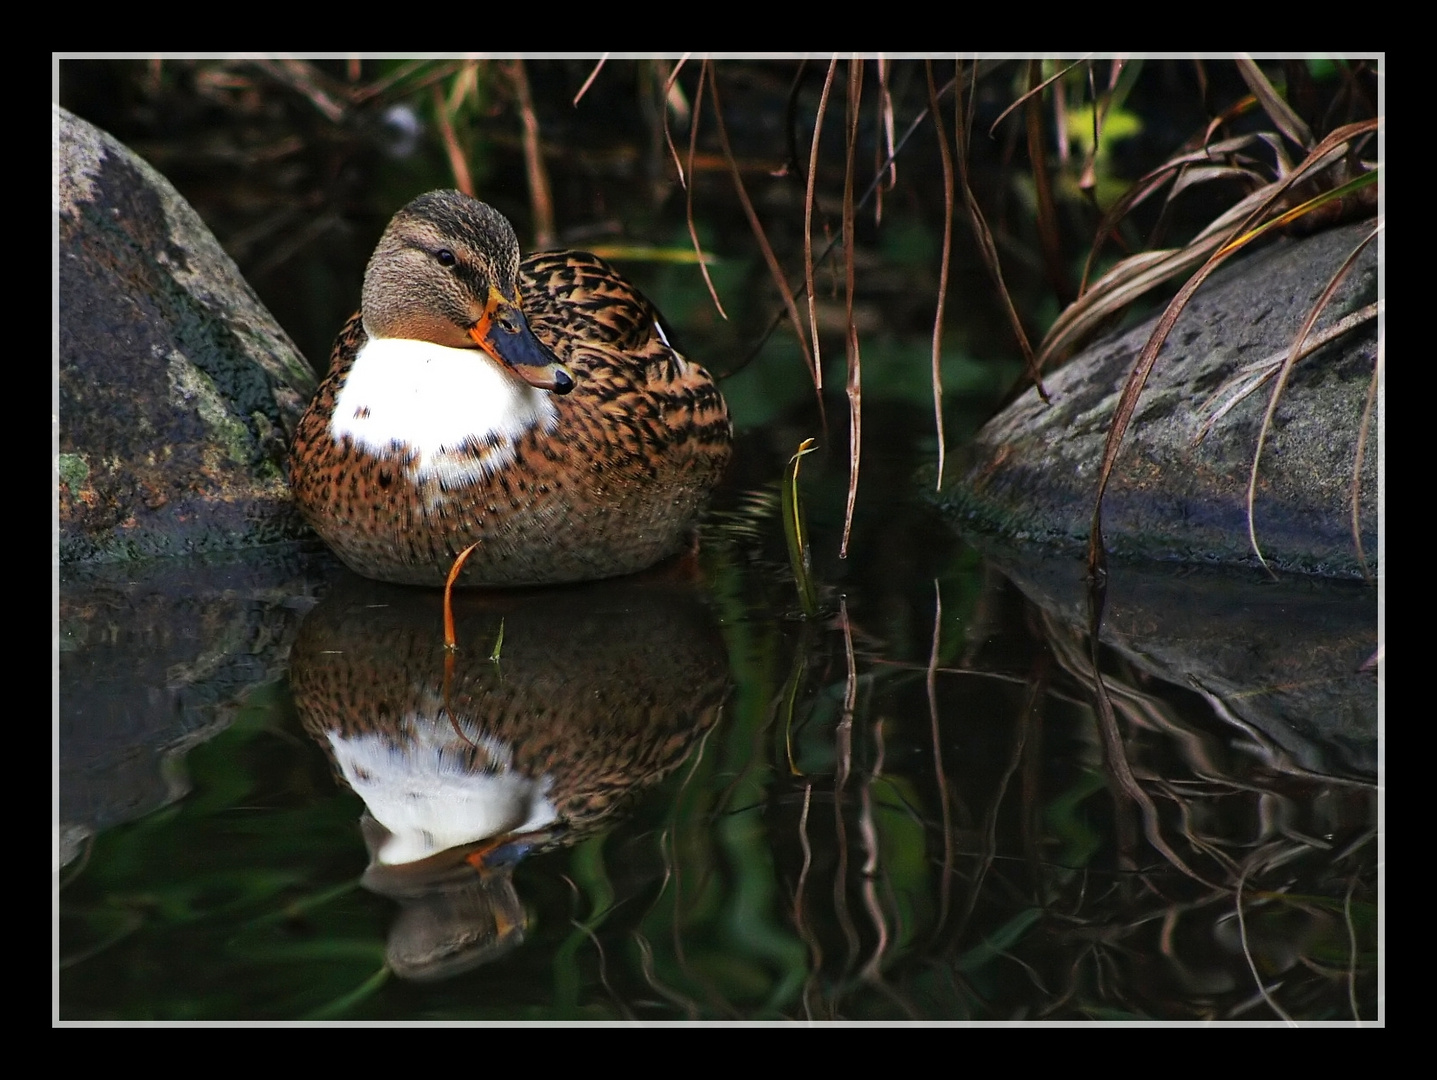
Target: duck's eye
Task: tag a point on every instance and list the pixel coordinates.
(445, 257)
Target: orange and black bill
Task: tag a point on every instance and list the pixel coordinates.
(504, 333)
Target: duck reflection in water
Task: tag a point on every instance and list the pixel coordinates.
(467, 764)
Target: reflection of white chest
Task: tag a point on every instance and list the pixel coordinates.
(457, 410)
(425, 791)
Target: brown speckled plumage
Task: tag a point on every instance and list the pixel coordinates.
(614, 487)
(603, 689)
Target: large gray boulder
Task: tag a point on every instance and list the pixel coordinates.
(177, 390)
(1034, 470)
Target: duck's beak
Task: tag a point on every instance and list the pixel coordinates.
(503, 333)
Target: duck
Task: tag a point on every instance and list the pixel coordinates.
(534, 408)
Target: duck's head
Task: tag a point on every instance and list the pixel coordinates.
(446, 270)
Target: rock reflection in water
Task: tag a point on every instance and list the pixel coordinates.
(1284, 658)
(466, 764)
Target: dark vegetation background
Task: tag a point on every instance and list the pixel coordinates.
(298, 164)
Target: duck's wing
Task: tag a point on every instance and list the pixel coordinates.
(648, 394)
(573, 296)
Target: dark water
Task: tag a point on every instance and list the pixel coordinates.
(675, 798)
(906, 808)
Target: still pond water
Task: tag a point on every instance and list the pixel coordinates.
(672, 798)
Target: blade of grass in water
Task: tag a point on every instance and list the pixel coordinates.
(793, 531)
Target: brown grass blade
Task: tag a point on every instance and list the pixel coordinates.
(946, 155)
(458, 162)
(778, 319)
(808, 200)
(1133, 277)
(1248, 378)
(1287, 365)
(668, 132)
(854, 385)
(688, 187)
(1198, 152)
(1278, 110)
(1121, 76)
(541, 200)
(407, 80)
(307, 80)
(1312, 205)
(885, 164)
(792, 166)
(675, 101)
(775, 270)
(1049, 236)
(592, 76)
(1129, 280)
(987, 249)
(1032, 90)
(1363, 428)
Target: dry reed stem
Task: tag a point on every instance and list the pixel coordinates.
(687, 181)
(1033, 90)
(885, 163)
(1088, 175)
(913, 126)
(987, 248)
(590, 80)
(458, 162)
(937, 357)
(432, 73)
(790, 303)
(304, 78)
(808, 200)
(541, 201)
(668, 132)
(855, 364)
(1362, 430)
(1049, 236)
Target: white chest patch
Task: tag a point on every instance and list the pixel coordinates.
(457, 410)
